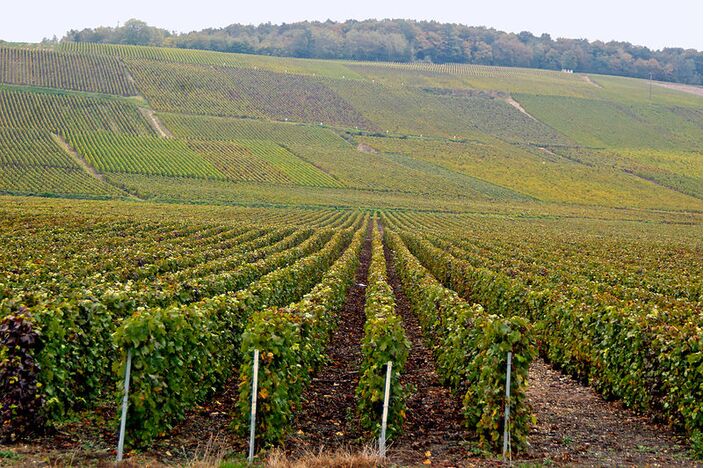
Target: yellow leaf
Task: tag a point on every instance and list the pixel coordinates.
(427, 462)
(428, 454)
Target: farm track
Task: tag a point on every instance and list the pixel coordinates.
(327, 415)
(155, 123)
(87, 168)
(575, 426)
(434, 420)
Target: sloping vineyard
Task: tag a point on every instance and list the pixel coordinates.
(51, 181)
(32, 162)
(59, 112)
(137, 154)
(37, 67)
(334, 155)
(237, 161)
(33, 148)
(221, 59)
(239, 92)
(152, 53)
(509, 79)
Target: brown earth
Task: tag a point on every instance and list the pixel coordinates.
(576, 426)
(327, 419)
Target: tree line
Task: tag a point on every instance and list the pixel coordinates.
(408, 41)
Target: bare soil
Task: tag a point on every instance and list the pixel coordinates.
(155, 123)
(327, 418)
(588, 79)
(364, 148)
(517, 105)
(576, 426)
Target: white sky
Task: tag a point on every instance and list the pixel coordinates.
(656, 24)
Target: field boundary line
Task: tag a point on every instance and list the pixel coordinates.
(155, 123)
(517, 105)
(87, 168)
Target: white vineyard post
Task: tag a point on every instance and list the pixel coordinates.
(125, 402)
(385, 413)
(507, 407)
(253, 417)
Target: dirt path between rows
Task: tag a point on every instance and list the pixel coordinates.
(575, 426)
(434, 420)
(517, 105)
(77, 158)
(206, 428)
(588, 79)
(327, 416)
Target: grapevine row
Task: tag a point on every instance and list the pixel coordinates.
(53, 69)
(194, 348)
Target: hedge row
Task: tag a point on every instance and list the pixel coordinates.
(384, 340)
(181, 354)
(470, 347)
(292, 342)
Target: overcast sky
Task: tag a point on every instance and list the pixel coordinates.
(656, 24)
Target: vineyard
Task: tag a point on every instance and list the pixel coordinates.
(226, 91)
(198, 126)
(133, 154)
(56, 70)
(190, 299)
(442, 264)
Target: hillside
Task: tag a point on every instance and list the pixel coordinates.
(106, 121)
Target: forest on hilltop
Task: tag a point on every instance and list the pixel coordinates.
(402, 40)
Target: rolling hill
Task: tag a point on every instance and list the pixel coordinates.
(109, 121)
